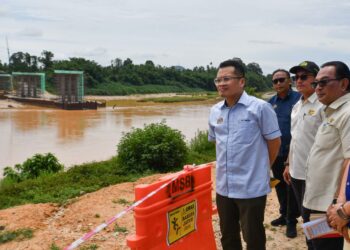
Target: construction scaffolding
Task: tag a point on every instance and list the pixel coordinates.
(5, 83)
(28, 84)
(70, 85)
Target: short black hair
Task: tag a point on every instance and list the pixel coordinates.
(239, 68)
(281, 70)
(341, 70)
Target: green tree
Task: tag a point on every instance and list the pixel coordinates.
(149, 63)
(24, 62)
(116, 63)
(18, 62)
(127, 62)
(3, 67)
(254, 67)
(46, 59)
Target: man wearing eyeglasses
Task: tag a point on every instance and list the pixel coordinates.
(330, 152)
(247, 137)
(283, 102)
(305, 119)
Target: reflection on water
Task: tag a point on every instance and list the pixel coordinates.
(91, 135)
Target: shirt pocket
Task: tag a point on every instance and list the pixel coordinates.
(327, 136)
(246, 131)
(311, 122)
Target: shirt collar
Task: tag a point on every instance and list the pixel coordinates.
(312, 98)
(339, 102)
(244, 99)
(287, 96)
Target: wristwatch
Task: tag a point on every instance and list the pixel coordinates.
(342, 214)
(286, 163)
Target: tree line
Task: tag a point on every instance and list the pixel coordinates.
(124, 77)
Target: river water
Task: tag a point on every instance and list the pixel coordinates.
(76, 137)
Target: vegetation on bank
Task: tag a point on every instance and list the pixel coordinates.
(34, 167)
(174, 99)
(156, 147)
(60, 186)
(124, 77)
(20, 234)
(177, 98)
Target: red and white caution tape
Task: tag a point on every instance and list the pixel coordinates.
(87, 236)
(122, 213)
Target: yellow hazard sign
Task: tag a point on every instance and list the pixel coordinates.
(181, 221)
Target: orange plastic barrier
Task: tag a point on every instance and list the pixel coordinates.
(178, 216)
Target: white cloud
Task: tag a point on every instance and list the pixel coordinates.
(30, 32)
(91, 53)
(188, 33)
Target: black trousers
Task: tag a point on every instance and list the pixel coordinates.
(245, 214)
(328, 243)
(299, 191)
(320, 243)
(288, 205)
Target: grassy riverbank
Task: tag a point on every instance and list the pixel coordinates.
(154, 99)
(85, 178)
(175, 99)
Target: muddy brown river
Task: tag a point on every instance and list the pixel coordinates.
(76, 137)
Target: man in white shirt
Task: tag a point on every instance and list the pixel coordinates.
(305, 119)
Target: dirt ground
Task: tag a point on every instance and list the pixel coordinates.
(60, 226)
(7, 104)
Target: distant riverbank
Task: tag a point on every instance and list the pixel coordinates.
(130, 100)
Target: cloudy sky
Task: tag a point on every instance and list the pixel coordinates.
(273, 33)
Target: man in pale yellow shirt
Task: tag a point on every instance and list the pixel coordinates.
(331, 149)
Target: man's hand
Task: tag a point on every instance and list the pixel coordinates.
(336, 222)
(345, 233)
(286, 175)
(273, 147)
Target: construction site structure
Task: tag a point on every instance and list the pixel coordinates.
(5, 84)
(30, 88)
(28, 84)
(70, 85)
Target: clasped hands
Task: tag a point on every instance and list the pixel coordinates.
(336, 222)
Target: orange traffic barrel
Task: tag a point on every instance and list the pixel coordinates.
(178, 216)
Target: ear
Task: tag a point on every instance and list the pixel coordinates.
(345, 84)
(242, 82)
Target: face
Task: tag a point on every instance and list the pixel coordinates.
(281, 82)
(333, 89)
(228, 83)
(303, 82)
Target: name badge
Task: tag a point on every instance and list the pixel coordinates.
(311, 112)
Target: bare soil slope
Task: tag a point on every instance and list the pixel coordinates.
(63, 225)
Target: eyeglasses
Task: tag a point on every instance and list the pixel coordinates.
(324, 82)
(277, 80)
(225, 79)
(301, 77)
